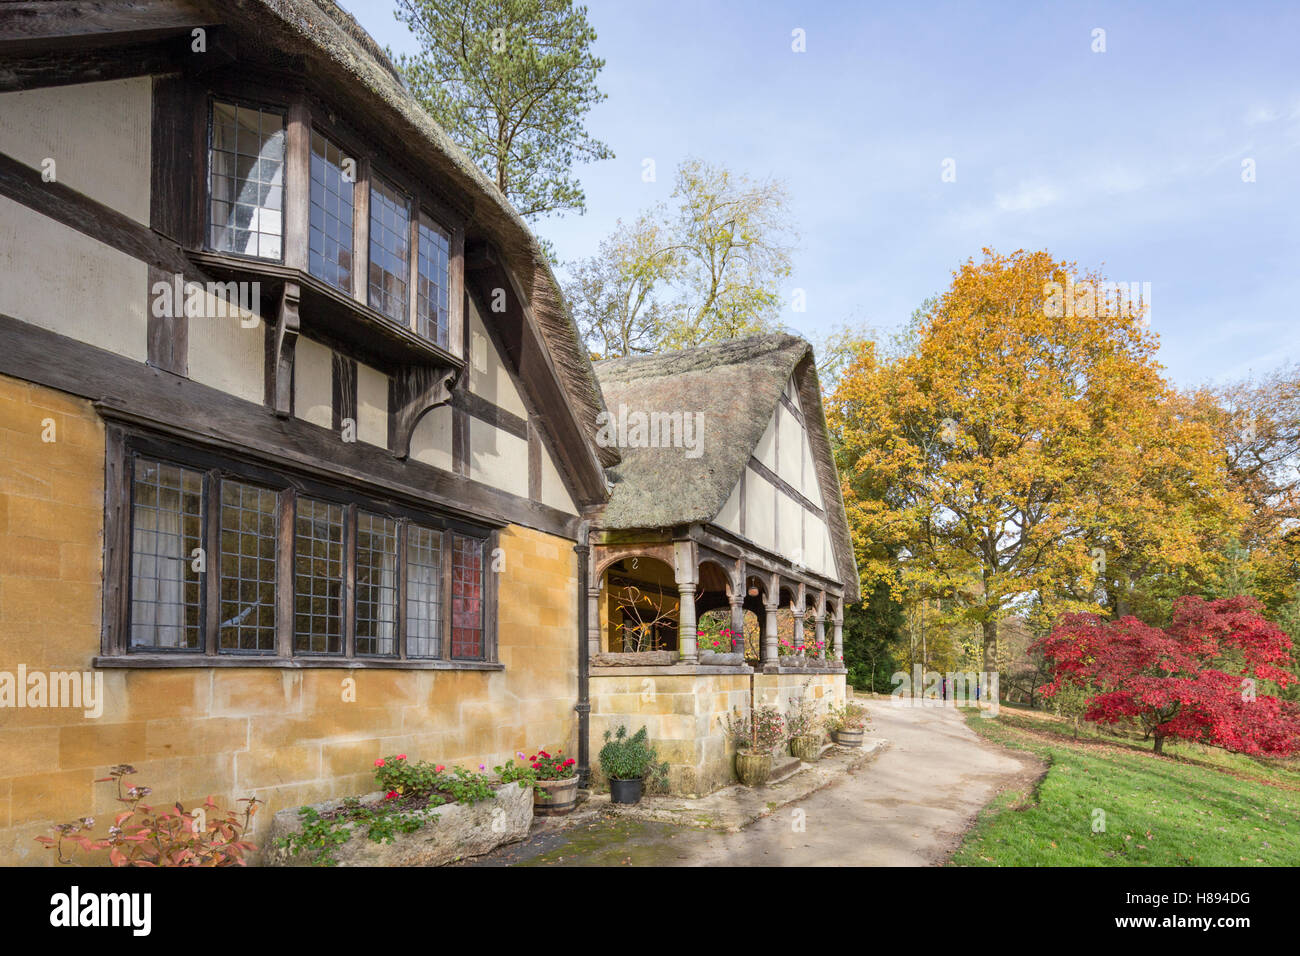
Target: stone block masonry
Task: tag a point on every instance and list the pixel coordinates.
(285, 736)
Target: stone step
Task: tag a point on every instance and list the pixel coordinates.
(784, 766)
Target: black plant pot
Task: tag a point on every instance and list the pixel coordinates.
(625, 791)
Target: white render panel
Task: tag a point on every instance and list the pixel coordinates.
(228, 351)
(372, 406)
(729, 516)
(313, 383)
(814, 543)
(98, 135)
(431, 438)
(64, 281)
(498, 458)
(488, 377)
(766, 450)
(811, 487)
(790, 442)
(553, 492)
(790, 529)
(760, 510)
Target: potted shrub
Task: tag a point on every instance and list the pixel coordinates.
(627, 761)
(847, 724)
(805, 729)
(555, 790)
(756, 737)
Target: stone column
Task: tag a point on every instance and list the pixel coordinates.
(796, 638)
(769, 633)
(593, 620)
(738, 621)
(821, 636)
(686, 627)
(838, 627)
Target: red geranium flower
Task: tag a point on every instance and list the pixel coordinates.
(391, 795)
(379, 762)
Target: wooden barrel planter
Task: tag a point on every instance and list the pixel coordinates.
(752, 768)
(559, 797)
(850, 738)
(807, 747)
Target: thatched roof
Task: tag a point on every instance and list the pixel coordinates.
(737, 385)
(330, 42)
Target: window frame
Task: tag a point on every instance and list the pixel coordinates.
(286, 188)
(125, 447)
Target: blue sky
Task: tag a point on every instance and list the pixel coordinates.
(1129, 160)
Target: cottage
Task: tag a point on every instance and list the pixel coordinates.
(301, 454)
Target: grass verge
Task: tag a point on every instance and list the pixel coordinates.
(1107, 801)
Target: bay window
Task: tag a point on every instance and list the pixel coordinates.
(286, 189)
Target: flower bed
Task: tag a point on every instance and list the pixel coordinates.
(424, 816)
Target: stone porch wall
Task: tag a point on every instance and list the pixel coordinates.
(684, 709)
(284, 736)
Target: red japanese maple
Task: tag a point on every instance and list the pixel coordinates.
(1194, 679)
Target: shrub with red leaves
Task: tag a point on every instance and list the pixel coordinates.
(1195, 679)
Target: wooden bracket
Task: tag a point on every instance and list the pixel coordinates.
(414, 390)
(286, 341)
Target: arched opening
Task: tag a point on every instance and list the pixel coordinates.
(639, 606)
(713, 609)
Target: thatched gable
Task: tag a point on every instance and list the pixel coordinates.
(736, 385)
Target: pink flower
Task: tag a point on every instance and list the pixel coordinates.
(401, 756)
(480, 766)
(379, 762)
(439, 768)
(391, 795)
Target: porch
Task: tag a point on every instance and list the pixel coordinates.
(686, 629)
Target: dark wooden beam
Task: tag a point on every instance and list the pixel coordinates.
(70, 23)
(23, 184)
(785, 487)
(135, 393)
(24, 68)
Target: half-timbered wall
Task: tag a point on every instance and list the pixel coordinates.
(777, 504)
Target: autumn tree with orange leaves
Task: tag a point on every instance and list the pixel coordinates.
(1017, 456)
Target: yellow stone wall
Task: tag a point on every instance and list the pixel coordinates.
(284, 736)
(682, 714)
(778, 689)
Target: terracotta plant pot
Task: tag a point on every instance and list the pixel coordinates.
(807, 747)
(560, 798)
(849, 737)
(625, 791)
(753, 769)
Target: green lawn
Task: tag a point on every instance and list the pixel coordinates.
(1198, 806)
